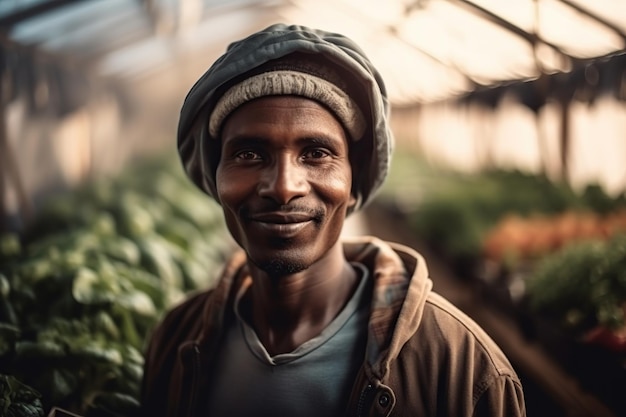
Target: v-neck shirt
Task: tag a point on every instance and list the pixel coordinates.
(312, 380)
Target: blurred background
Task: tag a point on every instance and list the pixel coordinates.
(509, 175)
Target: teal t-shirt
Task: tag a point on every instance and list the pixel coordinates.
(313, 380)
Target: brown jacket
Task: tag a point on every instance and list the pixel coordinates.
(424, 356)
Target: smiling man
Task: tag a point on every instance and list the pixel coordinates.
(288, 131)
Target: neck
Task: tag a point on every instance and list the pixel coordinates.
(287, 311)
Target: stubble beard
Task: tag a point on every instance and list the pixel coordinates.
(286, 261)
(281, 267)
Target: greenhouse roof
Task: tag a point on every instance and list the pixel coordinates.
(427, 50)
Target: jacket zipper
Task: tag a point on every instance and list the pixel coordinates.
(362, 398)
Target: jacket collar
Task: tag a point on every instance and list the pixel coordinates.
(400, 287)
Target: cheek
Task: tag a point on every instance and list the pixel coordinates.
(339, 185)
(229, 196)
(233, 226)
(229, 186)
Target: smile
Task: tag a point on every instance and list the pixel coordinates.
(283, 224)
(283, 229)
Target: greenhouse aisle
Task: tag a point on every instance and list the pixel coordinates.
(549, 390)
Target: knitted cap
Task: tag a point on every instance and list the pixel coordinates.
(276, 82)
(290, 60)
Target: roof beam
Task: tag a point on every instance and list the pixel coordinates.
(12, 19)
(488, 15)
(596, 18)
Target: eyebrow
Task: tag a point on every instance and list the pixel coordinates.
(322, 140)
(251, 140)
(244, 140)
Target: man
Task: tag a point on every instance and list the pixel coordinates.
(288, 131)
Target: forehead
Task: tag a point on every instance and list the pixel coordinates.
(282, 115)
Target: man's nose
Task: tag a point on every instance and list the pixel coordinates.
(283, 180)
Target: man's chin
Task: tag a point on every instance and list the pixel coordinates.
(281, 266)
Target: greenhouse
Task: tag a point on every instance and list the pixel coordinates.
(508, 176)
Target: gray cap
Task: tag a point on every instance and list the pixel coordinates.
(369, 155)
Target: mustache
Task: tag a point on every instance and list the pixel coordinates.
(246, 212)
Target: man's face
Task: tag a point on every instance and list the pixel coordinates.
(284, 181)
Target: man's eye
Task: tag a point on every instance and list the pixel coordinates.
(248, 156)
(316, 154)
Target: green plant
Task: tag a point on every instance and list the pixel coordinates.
(83, 286)
(583, 285)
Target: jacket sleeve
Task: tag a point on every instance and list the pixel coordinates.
(503, 397)
(161, 356)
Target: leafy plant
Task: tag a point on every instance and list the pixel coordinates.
(83, 286)
(582, 285)
(17, 399)
(456, 217)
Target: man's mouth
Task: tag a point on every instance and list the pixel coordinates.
(285, 224)
(277, 217)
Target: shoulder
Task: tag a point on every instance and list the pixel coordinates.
(450, 349)
(179, 322)
(450, 344)
(459, 335)
(183, 322)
